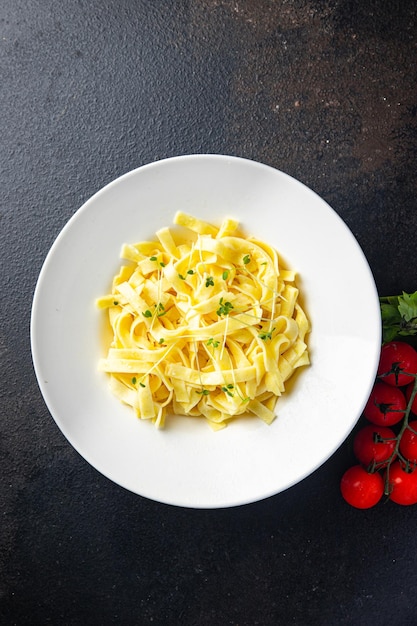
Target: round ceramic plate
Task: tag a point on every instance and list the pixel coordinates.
(187, 464)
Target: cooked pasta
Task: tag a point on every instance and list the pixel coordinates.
(206, 323)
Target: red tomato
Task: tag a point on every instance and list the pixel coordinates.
(386, 405)
(408, 443)
(403, 484)
(369, 451)
(360, 488)
(408, 392)
(397, 359)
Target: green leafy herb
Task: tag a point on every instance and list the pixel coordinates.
(224, 308)
(153, 258)
(147, 313)
(134, 380)
(266, 335)
(190, 272)
(142, 385)
(204, 392)
(161, 341)
(209, 281)
(162, 264)
(160, 309)
(225, 275)
(213, 342)
(246, 259)
(227, 390)
(399, 316)
(181, 276)
(115, 303)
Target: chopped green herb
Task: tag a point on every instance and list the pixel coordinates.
(190, 272)
(134, 380)
(246, 259)
(227, 390)
(161, 309)
(213, 342)
(224, 308)
(162, 340)
(225, 275)
(181, 276)
(204, 392)
(142, 385)
(147, 313)
(209, 281)
(162, 264)
(266, 335)
(153, 258)
(115, 303)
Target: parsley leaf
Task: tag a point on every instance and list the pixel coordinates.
(399, 316)
(407, 306)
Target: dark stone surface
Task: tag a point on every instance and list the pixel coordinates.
(324, 90)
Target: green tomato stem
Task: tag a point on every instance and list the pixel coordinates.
(396, 451)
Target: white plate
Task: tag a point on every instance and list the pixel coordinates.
(188, 464)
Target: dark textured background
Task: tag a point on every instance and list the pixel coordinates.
(324, 90)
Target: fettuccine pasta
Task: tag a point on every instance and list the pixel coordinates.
(205, 322)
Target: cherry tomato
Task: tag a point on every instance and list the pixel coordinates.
(408, 443)
(397, 359)
(386, 405)
(360, 488)
(403, 484)
(408, 392)
(370, 451)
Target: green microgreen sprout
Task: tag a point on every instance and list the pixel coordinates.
(209, 281)
(246, 259)
(204, 392)
(142, 384)
(153, 258)
(162, 264)
(266, 335)
(227, 390)
(134, 380)
(225, 275)
(224, 308)
(160, 309)
(189, 272)
(147, 313)
(161, 341)
(213, 342)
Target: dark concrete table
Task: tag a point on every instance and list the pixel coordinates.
(324, 90)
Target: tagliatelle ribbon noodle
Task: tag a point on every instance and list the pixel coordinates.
(205, 322)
